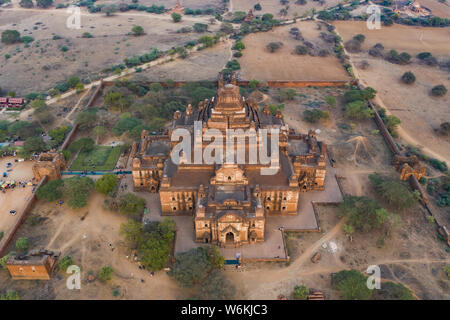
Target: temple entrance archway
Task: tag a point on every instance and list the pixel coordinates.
(229, 238)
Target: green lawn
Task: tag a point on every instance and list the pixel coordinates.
(101, 158)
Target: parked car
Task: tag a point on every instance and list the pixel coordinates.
(13, 212)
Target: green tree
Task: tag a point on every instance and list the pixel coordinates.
(22, 244)
(26, 3)
(77, 190)
(408, 77)
(301, 292)
(217, 287)
(10, 36)
(176, 17)
(44, 3)
(200, 27)
(105, 273)
(393, 192)
(393, 291)
(439, 90)
(73, 81)
(362, 213)
(10, 295)
(86, 119)
(351, 285)
(131, 205)
(331, 101)
(239, 45)
(138, 30)
(51, 191)
(33, 144)
(100, 132)
(65, 262)
(107, 184)
(109, 10)
(191, 267)
(358, 110)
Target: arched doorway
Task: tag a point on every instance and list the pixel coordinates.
(229, 238)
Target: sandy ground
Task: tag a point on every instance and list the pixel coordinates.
(274, 7)
(192, 4)
(206, 63)
(43, 64)
(14, 199)
(258, 63)
(418, 111)
(85, 235)
(437, 8)
(399, 37)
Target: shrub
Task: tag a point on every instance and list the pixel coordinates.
(408, 77)
(65, 262)
(359, 37)
(315, 115)
(424, 55)
(274, 46)
(439, 90)
(301, 292)
(331, 101)
(301, 50)
(358, 110)
(353, 46)
(351, 285)
(105, 273)
(87, 35)
(22, 244)
(44, 3)
(10, 295)
(239, 45)
(394, 57)
(10, 36)
(26, 3)
(393, 291)
(176, 17)
(200, 27)
(137, 30)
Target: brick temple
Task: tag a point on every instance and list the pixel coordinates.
(229, 202)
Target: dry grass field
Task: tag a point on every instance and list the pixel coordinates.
(274, 7)
(437, 8)
(203, 65)
(419, 112)
(85, 235)
(44, 64)
(399, 37)
(191, 4)
(258, 63)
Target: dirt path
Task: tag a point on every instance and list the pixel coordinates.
(66, 118)
(131, 14)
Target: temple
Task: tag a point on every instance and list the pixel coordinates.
(230, 200)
